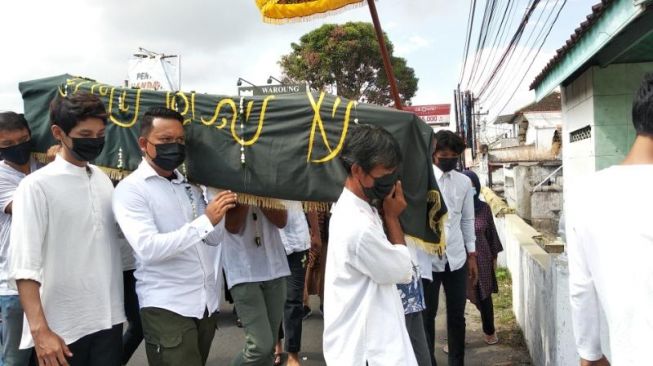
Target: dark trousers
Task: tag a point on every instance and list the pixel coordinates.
(103, 348)
(487, 314)
(293, 310)
(173, 339)
(415, 328)
(134, 333)
(455, 291)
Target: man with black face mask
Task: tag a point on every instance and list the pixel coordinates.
(63, 253)
(15, 149)
(363, 315)
(173, 232)
(458, 264)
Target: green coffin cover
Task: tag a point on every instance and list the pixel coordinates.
(279, 146)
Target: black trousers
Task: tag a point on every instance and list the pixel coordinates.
(455, 291)
(293, 311)
(103, 348)
(134, 333)
(486, 307)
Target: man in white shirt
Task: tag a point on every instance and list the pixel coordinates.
(364, 319)
(15, 149)
(173, 233)
(610, 246)
(256, 266)
(63, 254)
(296, 240)
(453, 269)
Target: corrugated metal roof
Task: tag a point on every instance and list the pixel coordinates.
(597, 12)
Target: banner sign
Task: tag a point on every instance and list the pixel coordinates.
(433, 114)
(277, 146)
(154, 72)
(273, 89)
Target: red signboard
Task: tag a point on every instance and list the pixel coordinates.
(433, 114)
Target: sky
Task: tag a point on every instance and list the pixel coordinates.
(220, 41)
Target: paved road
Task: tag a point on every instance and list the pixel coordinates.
(229, 339)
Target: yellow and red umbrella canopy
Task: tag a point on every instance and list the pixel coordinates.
(280, 11)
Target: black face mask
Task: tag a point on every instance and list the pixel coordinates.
(447, 164)
(86, 148)
(169, 156)
(17, 154)
(381, 188)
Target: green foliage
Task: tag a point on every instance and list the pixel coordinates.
(348, 57)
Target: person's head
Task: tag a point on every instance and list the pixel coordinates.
(371, 156)
(79, 122)
(475, 182)
(15, 136)
(447, 150)
(643, 107)
(162, 139)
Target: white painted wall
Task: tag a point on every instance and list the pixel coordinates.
(539, 294)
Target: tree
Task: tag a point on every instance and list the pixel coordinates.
(348, 58)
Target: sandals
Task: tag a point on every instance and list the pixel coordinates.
(491, 339)
(277, 359)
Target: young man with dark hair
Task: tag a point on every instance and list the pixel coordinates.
(610, 245)
(15, 149)
(364, 319)
(173, 233)
(453, 269)
(64, 257)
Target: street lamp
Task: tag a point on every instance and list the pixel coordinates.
(270, 78)
(240, 82)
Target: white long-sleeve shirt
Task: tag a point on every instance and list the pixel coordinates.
(63, 236)
(295, 235)
(9, 180)
(459, 231)
(610, 246)
(363, 314)
(173, 241)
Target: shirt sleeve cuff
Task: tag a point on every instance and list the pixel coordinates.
(203, 226)
(471, 247)
(590, 354)
(23, 274)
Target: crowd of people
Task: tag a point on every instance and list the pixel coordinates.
(369, 263)
(80, 258)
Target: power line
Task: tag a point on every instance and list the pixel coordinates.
(470, 25)
(555, 20)
(515, 39)
(499, 38)
(482, 37)
(524, 53)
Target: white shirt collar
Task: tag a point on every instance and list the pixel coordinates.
(438, 172)
(357, 201)
(33, 165)
(68, 167)
(146, 171)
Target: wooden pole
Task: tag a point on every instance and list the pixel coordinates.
(384, 54)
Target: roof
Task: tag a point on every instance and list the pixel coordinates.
(597, 11)
(550, 103)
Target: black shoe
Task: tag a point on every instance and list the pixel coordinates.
(307, 312)
(239, 324)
